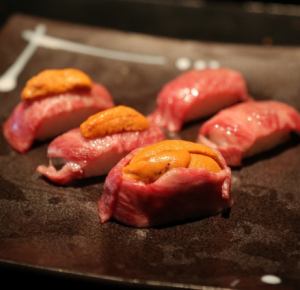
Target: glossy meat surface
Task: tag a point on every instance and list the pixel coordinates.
(198, 94)
(179, 195)
(48, 117)
(83, 157)
(249, 128)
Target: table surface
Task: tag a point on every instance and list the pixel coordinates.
(57, 228)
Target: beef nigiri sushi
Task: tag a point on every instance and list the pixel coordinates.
(100, 142)
(53, 102)
(197, 94)
(249, 128)
(166, 182)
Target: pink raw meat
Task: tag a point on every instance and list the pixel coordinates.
(178, 195)
(50, 116)
(198, 94)
(83, 157)
(249, 128)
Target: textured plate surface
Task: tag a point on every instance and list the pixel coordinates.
(57, 228)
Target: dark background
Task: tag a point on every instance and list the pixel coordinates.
(264, 22)
(257, 22)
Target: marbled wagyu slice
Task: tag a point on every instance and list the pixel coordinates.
(198, 94)
(100, 142)
(169, 181)
(53, 102)
(249, 128)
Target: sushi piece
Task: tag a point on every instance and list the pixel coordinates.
(53, 102)
(100, 142)
(166, 182)
(197, 94)
(249, 128)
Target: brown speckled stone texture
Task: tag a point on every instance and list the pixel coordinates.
(57, 228)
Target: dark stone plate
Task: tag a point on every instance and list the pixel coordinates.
(57, 228)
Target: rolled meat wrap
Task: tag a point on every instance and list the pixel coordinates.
(53, 102)
(197, 94)
(100, 142)
(249, 128)
(167, 182)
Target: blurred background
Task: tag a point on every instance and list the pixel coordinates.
(255, 22)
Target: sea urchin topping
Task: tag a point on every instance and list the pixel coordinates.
(153, 161)
(111, 121)
(55, 81)
(150, 169)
